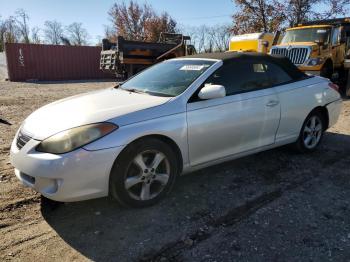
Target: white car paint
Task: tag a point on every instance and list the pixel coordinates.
(206, 132)
(84, 109)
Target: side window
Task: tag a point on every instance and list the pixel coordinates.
(248, 76)
(277, 75)
(335, 36)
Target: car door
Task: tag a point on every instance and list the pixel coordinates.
(247, 118)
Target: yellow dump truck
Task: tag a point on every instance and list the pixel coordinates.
(256, 42)
(318, 47)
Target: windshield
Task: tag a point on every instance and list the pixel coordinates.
(169, 78)
(307, 35)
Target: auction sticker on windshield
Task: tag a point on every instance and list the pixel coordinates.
(193, 67)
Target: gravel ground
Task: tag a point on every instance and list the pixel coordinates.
(272, 206)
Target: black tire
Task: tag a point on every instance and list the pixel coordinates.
(300, 145)
(124, 165)
(327, 71)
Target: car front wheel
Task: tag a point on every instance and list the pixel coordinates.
(144, 173)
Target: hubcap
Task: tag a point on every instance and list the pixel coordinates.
(147, 175)
(312, 132)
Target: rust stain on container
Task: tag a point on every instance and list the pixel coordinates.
(53, 62)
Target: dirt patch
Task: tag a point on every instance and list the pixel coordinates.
(274, 206)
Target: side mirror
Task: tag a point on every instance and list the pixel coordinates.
(265, 43)
(212, 91)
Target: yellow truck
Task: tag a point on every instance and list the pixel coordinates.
(318, 47)
(255, 42)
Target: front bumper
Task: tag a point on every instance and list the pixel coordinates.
(74, 176)
(314, 73)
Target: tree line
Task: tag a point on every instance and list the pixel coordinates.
(141, 22)
(16, 29)
(273, 15)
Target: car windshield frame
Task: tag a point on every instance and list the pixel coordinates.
(307, 35)
(170, 78)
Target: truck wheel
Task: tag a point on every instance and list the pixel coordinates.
(347, 83)
(327, 71)
(347, 91)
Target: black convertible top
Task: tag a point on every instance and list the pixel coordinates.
(236, 57)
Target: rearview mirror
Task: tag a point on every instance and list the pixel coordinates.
(212, 91)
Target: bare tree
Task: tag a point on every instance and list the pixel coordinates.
(2, 34)
(130, 21)
(257, 16)
(110, 33)
(11, 34)
(334, 8)
(22, 23)
(77, 34)
(198, 36)
(298, 11)
(220, 37)
(202, 39)
(272, 15)
(139, 22)
(53, 32)
(158, 24)
(65, 41)
(209, 38)
(35, 37)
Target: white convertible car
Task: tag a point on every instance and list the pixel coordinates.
(132, 140)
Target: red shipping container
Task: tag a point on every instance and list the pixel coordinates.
(30, 62)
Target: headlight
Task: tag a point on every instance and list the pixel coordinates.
(314, 61)
(74, 138)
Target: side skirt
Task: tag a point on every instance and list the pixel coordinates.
(188, 168)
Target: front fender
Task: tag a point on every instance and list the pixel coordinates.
(172, 126)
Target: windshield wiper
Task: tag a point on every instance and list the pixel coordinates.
(159, 94)
(134, 90)
(118, 85)
(148, 92)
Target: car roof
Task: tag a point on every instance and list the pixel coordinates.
(236, 57)
(225, 56)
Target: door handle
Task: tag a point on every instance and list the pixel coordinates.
(272, 103)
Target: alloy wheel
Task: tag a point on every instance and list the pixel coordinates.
(312, 132)
(147, 175)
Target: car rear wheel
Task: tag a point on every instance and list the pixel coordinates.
(311, 133)
(144, 173)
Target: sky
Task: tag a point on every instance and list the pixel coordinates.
(93, 13)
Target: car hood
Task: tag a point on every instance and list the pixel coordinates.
(85, 109)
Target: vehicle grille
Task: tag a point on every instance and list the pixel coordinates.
(297, 55)
(22, 140)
